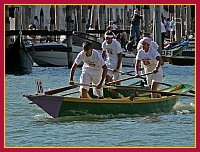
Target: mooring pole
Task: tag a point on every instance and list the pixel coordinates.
(157, 27)
(69, 35)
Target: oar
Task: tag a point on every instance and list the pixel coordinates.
(107, 86)
(60, 90)
(126, 73)
(142, 90)
(190, 91)
(130, 71)
(70, 93)
(166, 93)
(132, 77)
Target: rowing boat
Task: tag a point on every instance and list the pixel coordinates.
(58, 106)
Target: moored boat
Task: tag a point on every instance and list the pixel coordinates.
(17, 58)
(181, 60)
(54, 54)
(182, 54)
(50, 54)
(58, 106)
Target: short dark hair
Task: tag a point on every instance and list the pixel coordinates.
(87, 46)
(109, 32)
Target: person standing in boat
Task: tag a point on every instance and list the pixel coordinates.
(112, 52)
(94, 70)
(151, 61)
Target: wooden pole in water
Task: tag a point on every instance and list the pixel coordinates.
(125, 25)
(146, 16)
(102, 17)
(52, 21)
(57, 17)
(183, 19)
(94, 15)
(84, 20)
(17, 19)
(177, 24)
(84, 17)
(25, 17)
(188, 19)
(68, 36)
(78, 14)
(7, 42)
(41, 19)
(157, 27)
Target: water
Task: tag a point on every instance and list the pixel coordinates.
(27, 125)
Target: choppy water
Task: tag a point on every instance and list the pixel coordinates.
(27, 125)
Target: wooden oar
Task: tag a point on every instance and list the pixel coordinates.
(166, 93)
(130, 71)
(126, 73)
(60, 90)
(70, 93)
(190, 91)
(142, 90)
(132, 77)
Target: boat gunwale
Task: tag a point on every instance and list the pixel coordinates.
(126, 100)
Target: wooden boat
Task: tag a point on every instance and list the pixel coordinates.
(51, 54)
(181, 60)
(17, 58)
(58, 106)
(183, 55)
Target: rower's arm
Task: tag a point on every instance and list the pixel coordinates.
(104, 74)
(159, 59)
(73, 69)
(137, 66)
(119, 60)
(104, 54)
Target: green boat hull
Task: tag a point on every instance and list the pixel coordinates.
(76, 108)
(58, 106)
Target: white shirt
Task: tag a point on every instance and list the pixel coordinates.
(172, 24)
(163, 30)
(114, 27)
(148, 59)
(112, 51)
(92, 63)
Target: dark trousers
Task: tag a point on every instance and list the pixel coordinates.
(163, 38)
